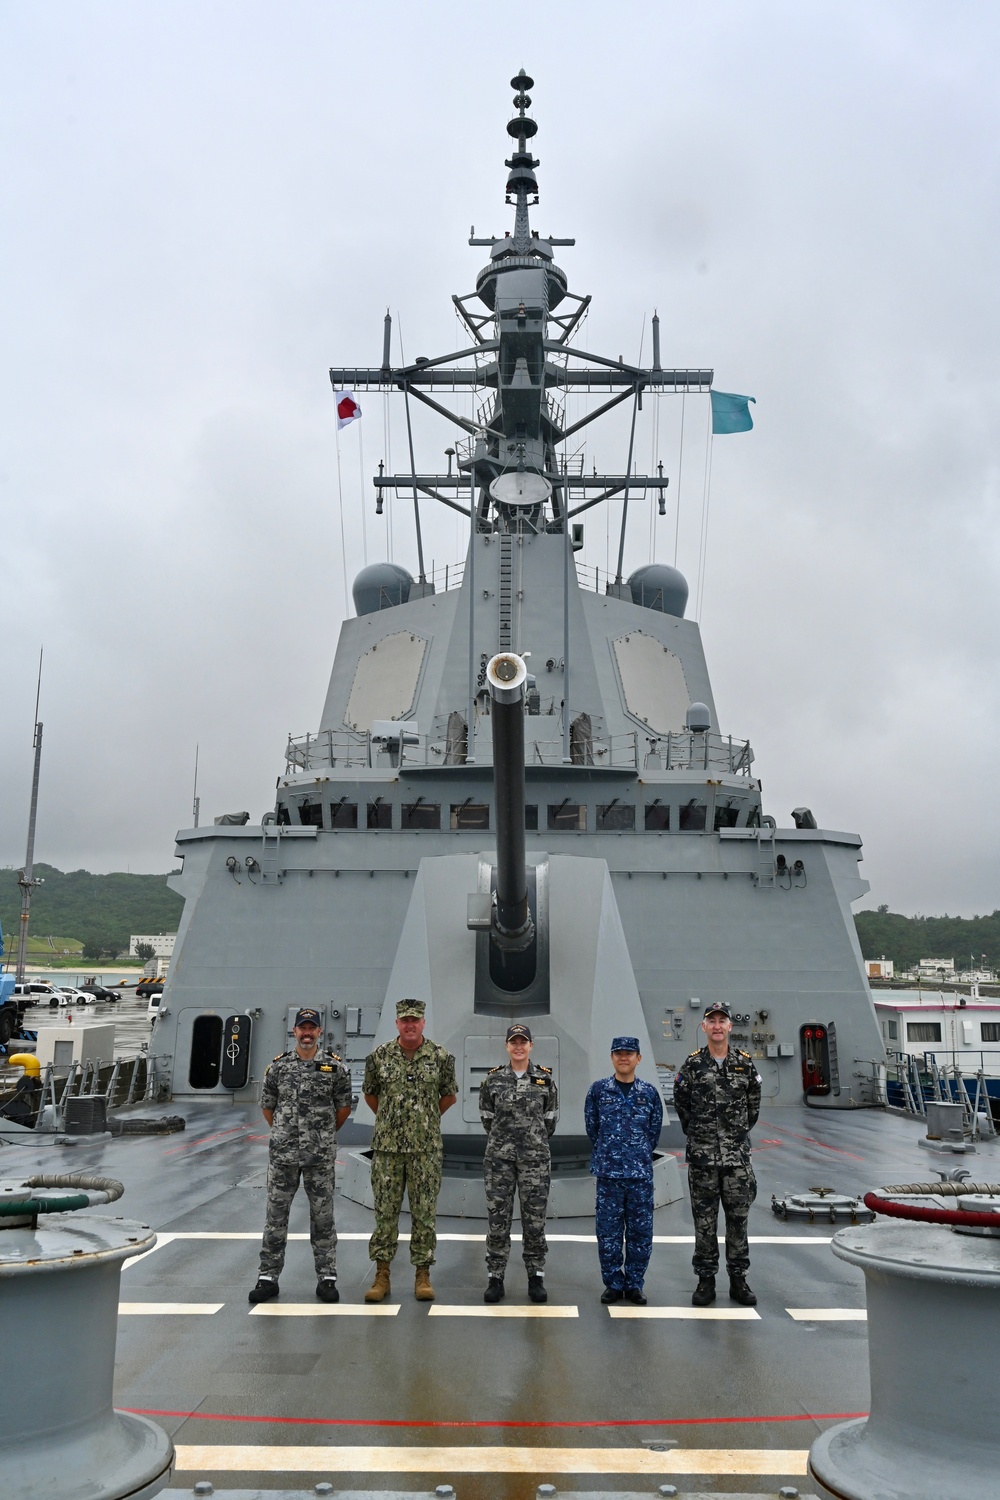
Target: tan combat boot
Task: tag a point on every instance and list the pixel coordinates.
(380, 1288)
(422, 1289)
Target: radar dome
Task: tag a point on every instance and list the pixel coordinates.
(698, 718)
(380, 586)
(658, 586)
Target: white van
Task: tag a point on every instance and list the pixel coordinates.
(37, 992)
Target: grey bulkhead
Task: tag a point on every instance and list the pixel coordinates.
(324, 924)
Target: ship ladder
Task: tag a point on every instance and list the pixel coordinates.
(269, 846)
(765, 857)
(506, 591)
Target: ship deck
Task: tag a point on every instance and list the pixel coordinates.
(408, 1396)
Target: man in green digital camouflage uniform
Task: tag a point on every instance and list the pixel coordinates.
(518, 1105)
(408, 1085)
(305, 1099)
(717, 1099)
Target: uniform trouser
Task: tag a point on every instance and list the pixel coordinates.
(531, 1180)
(735, 1188)
(418, 1173)
(282, 1184)
(624, 1224)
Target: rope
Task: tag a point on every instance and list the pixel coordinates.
(880, 1203)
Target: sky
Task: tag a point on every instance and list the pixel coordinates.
(207, 204)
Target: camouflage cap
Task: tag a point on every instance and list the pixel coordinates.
(413, 1008)
(518, 1029)
(308, 1017)
(625, 1044)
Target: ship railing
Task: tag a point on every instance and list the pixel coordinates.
(638, 750)
(970, 1078)
(121, 1082)
(446, 576)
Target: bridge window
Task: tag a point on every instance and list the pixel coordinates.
(991, 1031)
(282, 816)
(379, 814)
(615, 817)
(531, 818)
(421, 814)
(343, 814)
(567, 816)
(311, 814)
(692, 819)
(657, 816)
(470, 815)
(725, 817)
(923, 1031)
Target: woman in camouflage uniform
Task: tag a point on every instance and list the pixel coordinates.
(518, 1105)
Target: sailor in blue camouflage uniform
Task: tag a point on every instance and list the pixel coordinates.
(305, 1099)
(519, 1106)
(624, 1115)
(717, 1099)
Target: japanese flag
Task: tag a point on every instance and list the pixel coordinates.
(348, 410)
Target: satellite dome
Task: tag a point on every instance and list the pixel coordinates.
(380, 586)
(698, 718)
(658, 586)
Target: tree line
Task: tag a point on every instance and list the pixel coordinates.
(973, 942)
(102, 911)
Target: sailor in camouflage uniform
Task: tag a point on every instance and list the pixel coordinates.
(518, 1105)
(305, 1099)
(624, 1115)
(717, 1098)
(408, 1085)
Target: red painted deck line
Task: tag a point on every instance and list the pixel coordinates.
(812, 1141)
(209, 1416)
(203, 1140)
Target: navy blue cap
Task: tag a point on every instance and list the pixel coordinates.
(518, 1029)
(308, 1017)
(717, 1007)
(625, 1044)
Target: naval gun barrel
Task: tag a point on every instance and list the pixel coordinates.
(506, 675)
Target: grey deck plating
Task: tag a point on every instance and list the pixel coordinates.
(356, 1399)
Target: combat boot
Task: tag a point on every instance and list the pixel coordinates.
(380, 1288)
(536, 1289)
(266, 1288)
(326, 1289)
(422, 1289)
(494, 1290)
(704, 1292)
(740, 1292)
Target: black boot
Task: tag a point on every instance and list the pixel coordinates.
(266, 1288)
(326, 1289)
(612, 1294)
(740, 1292)
(536, 1289)
(494, 1291)
(704, 1293)
(635, 1295)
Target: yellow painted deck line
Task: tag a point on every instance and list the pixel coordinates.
(444, 1462)
(729, 1314)
(323, 1310)
(828, 1314)
(437, 1311)
(166, 1309)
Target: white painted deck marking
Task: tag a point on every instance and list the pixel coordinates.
(709, 1314)
(166, 1309)
(437, 1311)
(322, 1310)
(321, 1459)
(828, 1314)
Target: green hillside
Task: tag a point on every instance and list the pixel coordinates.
(968, 940)
(100, 911)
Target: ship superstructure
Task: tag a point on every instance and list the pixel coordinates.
(655, 880)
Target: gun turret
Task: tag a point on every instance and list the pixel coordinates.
(512, 927)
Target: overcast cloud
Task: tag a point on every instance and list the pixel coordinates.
(209, 203)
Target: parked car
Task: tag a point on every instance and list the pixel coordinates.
(75, 996)
(36, 992)
(100, 991)
(147, 987)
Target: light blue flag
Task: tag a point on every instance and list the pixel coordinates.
(731, 413)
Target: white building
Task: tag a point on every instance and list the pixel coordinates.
(162, 944)
(879, 968)
(936, 968)
(934, 1021)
